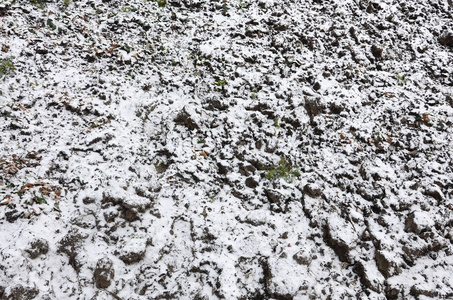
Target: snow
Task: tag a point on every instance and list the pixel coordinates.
(144, 134)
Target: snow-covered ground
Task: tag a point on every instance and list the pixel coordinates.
(226, 149)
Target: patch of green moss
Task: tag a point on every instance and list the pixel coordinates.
(6, 67)
(283, 170)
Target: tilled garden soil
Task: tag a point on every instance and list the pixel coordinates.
(226, 149)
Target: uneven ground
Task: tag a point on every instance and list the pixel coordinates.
(226, 149)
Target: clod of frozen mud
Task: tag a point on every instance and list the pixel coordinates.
(13, 214)
(251, 183)
(385, 265)
(449, 100)
(314, 106)
(424, 246)
(37, 247)
(302, 257)
(281, 282)
(86, 222)
(276, 199)
(253, 218)
(134, 251)
(274, 196)
(88, 200)
(420, 290)
(105, 295)
(184, 119)
(104, 273)
(392, 292)
(434, 192)
(312, 190)
(131, 205)
(376, 51)
(446, 39)
(418, 221)
(71, 245)
(132, 256)
(20, 292)
(336, 242)
(368, 278)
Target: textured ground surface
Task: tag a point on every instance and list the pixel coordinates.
(226, 149)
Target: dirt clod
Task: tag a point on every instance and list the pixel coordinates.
(104, 273)
(37, 247)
